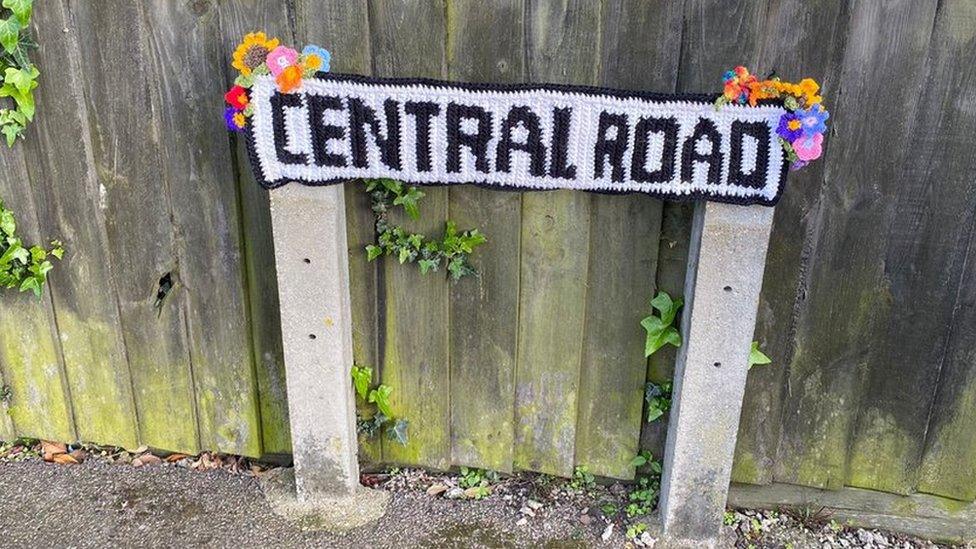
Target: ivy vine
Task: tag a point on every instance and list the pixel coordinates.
(21, 266)
(18, 76)
(381, 418)
(453, 251)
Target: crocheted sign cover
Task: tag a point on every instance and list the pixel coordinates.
(319, 128)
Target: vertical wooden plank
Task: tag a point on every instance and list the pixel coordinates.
(624, 238)
(408, 40)
(237, 18)
(65, 182)
(716, 36)
(345, 33)
(485, 43)
(31, 363)
(199, 165)
(923, 256)
(802, 39)
(851, 294)
(563, 42)
(141, 241)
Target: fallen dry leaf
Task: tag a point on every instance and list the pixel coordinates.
(51, 449)
(436, 489)
(146, 459)
(79, 455)
(173, 458)
(64, 459)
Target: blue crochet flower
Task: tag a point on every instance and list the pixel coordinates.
(322, 53)
(813, 120)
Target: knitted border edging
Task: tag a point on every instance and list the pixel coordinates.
(700, 105)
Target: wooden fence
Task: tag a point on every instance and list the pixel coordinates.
(869, 302)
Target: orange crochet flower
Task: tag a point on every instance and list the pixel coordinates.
(289, 79)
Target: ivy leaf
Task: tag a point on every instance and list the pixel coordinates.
(8, 225)
(381, 397)
(361, 378)
(638, 461)
(398, 432)
(21, 9)
(12, 131)
(404, 255)
(427, 265)
(757, 357)
(409, 202)
(22, 79)
(373, 251)
(10, 33)
(33, 284)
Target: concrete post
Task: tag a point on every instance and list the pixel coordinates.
(725, 271)
(311, 257)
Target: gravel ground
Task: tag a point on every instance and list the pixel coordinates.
(103, 504)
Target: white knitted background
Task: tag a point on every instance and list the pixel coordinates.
(583, 135)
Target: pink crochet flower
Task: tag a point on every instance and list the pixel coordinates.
(280, 59)
(809, 148)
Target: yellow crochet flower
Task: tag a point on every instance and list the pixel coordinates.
(253, 51)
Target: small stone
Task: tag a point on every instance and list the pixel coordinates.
(647, 540)
(455, 493)
(533, 504)
(522, 521)
(586, 520)
(607, 532)
(527, 512)
(436, 490)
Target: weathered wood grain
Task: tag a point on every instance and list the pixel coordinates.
(408, 40)
(141, 238)
(199, 167)
(345, 33)
(562, 46)
(238, 17)
(941, 170)
(800, 39)
(834, 384)
(69, 206)
(930, 517)
(716, 35)
(31, 362)
(485, 44)
(624, 238)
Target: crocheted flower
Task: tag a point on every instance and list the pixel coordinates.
(809, 148)
(790, 127)
(809, 88)
(813, 120)
(289, 79)
(234, 119)
(237, 98)
(252, 52)
(280, 59)
(317, 58)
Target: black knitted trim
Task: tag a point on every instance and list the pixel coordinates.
(700, 98)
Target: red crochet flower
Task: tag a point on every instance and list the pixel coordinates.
(236, 97)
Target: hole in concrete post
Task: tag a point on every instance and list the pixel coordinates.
(311, 336)
(727, 288)
(307, 260)
(717, 364)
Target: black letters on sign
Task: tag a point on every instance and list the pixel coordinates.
(279, 102)
(477, 142)
(423, 112)
(757, 177)
(612, 148)
(322, 133)
(690, 155)
(529, 121)
(361, 116)
(338, 127)
(668, 128)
